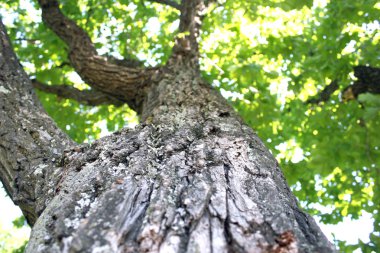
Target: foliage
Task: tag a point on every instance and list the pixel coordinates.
(267, 58)
(14, 239)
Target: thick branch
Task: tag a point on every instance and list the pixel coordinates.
(125, 83)
(368, 82)
(130, 63)
(325, 93)
(30, 142)
(186, 49)
(168, 2)
(87, 97)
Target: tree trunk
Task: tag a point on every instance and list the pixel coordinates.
(191, 178)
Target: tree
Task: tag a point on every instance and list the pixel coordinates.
(235, 76)
(193, 177)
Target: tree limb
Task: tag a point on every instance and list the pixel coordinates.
(30, 142)
(130, 63)
(325, 94)
(169, 3)
(124, 83)
(368, 82)
(186, 49)
(87, 97)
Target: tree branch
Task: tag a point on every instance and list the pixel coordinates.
(186, 49)
(325, 94)
(168, 2)
(368, 82)
(30, 142)
(130, 63)
(124, 83)
(31, 41)
(87, 97)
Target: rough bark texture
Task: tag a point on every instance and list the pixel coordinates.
(30, 142)
(191, 178)
(111, 77)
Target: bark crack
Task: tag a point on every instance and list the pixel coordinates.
(210, 230)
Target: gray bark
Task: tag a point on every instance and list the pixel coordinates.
(191, 178)
(30, 142)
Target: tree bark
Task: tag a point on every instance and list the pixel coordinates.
(30, 142)
(192, 177)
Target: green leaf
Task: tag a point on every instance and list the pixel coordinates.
(19, 222)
